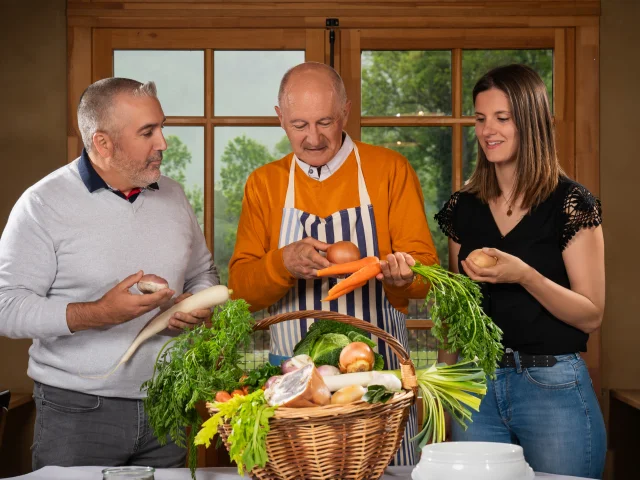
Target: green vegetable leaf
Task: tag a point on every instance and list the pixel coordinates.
(259, 376)
(455, 388)
(358, 337)
(249, 416)
(379, 362)
(459, 322)
(191, 368)
(326, 350)
(319, 328)
(377, 394)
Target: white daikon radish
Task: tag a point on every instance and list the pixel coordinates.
(336, 382)
(207, 298)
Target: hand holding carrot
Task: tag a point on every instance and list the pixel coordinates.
(302, 259)
(395, 269)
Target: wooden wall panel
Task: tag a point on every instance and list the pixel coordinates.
(587, 108)
(480, 38)
(564, 97)
(587, 149)
(351, 74)
(78, 79)
(312, 14)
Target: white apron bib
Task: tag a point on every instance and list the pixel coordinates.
(368, 303)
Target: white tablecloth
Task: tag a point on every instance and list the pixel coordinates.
(93, 473)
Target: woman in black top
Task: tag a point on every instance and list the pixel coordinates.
(546, 291)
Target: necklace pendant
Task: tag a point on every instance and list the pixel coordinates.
(509, 212)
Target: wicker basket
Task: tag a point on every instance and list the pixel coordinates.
(354, 441)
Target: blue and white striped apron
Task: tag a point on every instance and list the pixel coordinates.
(368, 303)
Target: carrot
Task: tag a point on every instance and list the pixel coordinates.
(222, 396)
(349, 267)
(358, 279)
(338, 293)
(237, 391)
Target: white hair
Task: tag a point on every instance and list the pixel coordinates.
(95, 110)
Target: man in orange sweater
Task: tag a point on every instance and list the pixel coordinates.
(329, 189)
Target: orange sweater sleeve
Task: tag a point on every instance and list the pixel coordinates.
(256, 270)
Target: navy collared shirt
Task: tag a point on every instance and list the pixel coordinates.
(93, 181)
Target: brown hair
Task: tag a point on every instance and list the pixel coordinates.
(537, 166)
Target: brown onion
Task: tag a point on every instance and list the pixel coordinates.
(356, 357)
(343, 252)
(481, 259)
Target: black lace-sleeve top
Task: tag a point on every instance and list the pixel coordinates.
(539, 240)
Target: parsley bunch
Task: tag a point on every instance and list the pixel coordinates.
(459, 323)
(193, 366)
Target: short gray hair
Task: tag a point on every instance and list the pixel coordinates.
(95, 110)
(338, 84)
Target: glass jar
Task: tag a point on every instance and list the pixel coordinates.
(128, 473)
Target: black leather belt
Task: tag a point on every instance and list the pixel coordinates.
(527, 361)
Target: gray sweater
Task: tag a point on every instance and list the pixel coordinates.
(63, 244)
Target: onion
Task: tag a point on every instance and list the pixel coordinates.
(152, 283)
(481, 259)
(328, 370)
(296, 363)
(343, 252)
(356, 357)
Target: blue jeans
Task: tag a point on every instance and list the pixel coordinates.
(75, 429)
(552, 412)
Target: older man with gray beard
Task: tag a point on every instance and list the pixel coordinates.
(68, 261)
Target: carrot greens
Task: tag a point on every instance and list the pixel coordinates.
(191, 368)
(459, 323)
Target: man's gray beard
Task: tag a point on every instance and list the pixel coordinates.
(123, 160)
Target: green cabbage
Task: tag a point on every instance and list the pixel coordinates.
(326, 350)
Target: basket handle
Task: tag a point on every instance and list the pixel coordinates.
(407, 368)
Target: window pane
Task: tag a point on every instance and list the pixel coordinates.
(396, 83)
(423, 347)
(246, 83)
(237, 152)
(184, 162)
(476, 63)
(179, 76)
(428, 149)
(469, 151)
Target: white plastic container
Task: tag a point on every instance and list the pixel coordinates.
(472, 461)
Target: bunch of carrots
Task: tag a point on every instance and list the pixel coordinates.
(361, 271)
(223, 396)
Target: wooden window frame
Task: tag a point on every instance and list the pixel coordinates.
(456, 40)
(107, 40)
